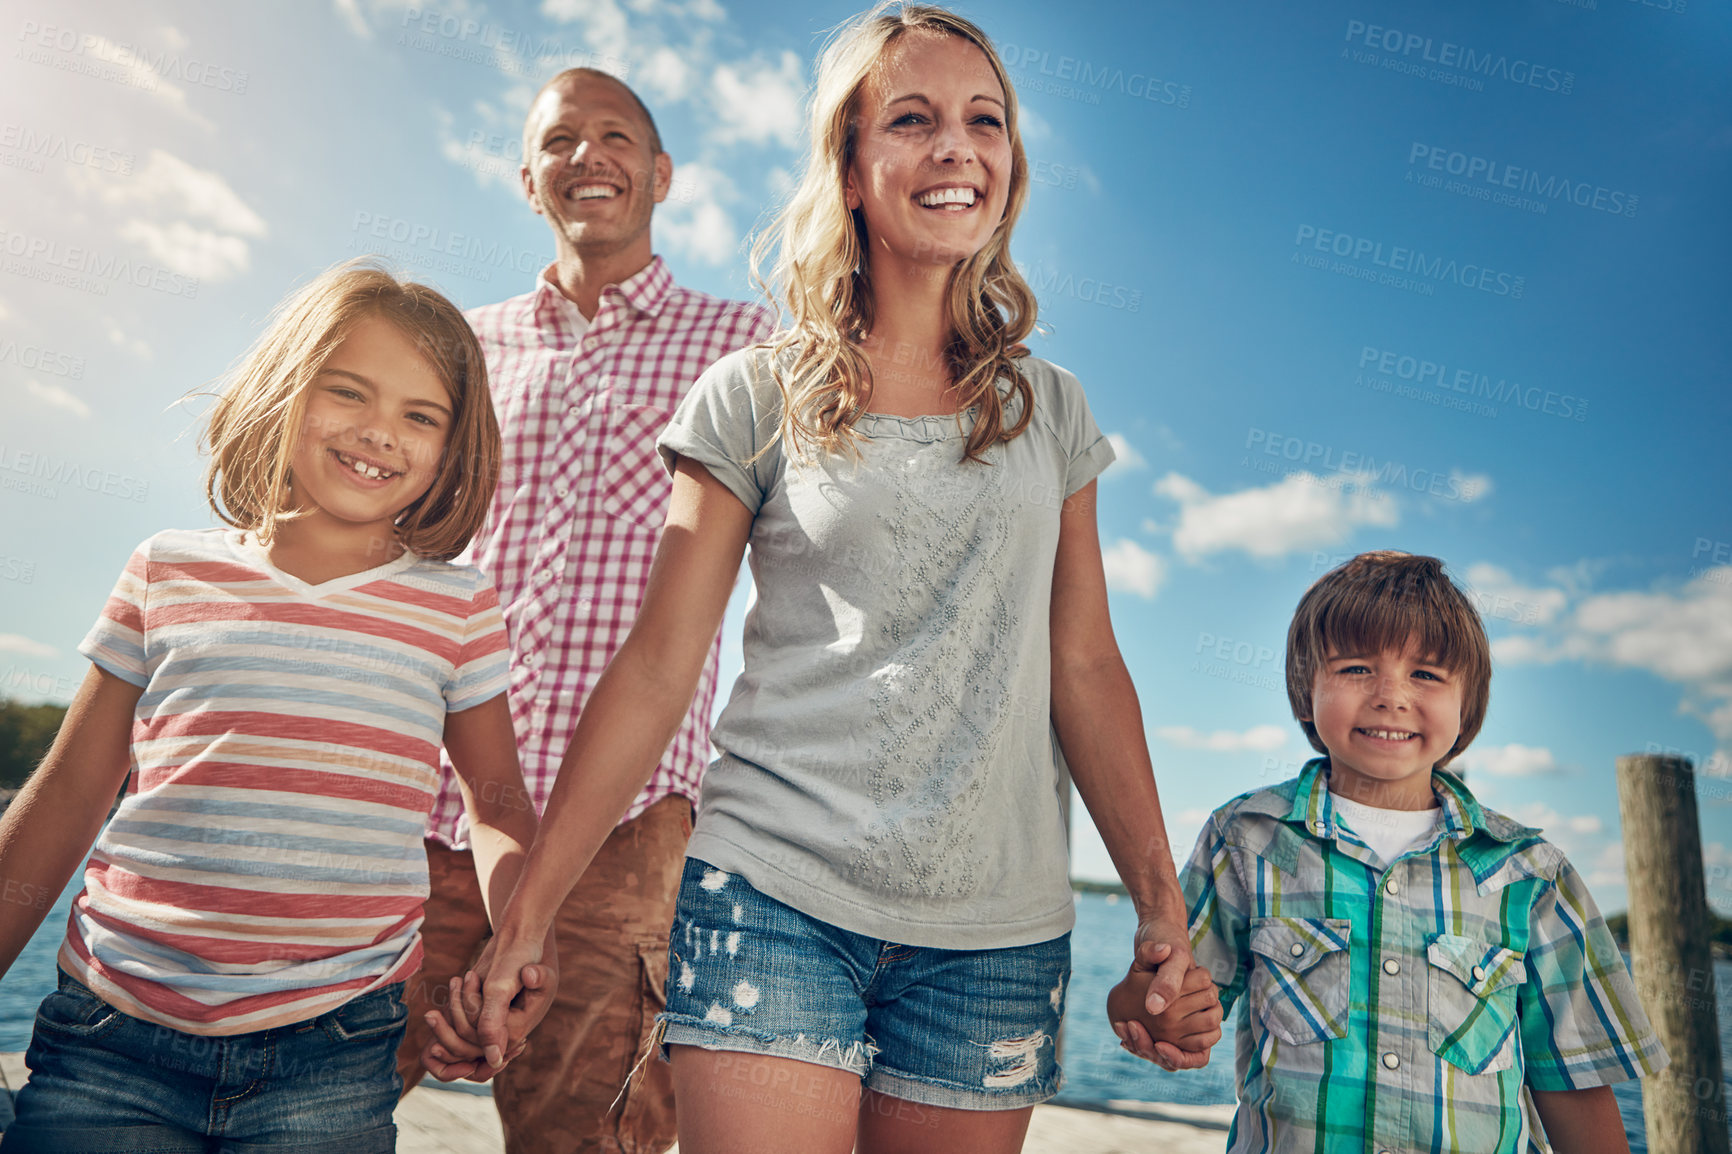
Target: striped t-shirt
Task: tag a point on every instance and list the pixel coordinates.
(266, 864)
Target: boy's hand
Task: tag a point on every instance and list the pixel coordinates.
(1178, 1038)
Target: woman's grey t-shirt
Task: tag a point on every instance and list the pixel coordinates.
(887, 758)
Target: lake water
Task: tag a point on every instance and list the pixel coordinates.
(1095, 1068)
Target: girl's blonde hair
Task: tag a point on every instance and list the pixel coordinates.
(255, 424)
(823, 283)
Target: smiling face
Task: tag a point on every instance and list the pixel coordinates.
(377, 420)
(591, 166)
(932, 156)
(1386, 719)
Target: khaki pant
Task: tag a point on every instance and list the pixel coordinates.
(559, 1095)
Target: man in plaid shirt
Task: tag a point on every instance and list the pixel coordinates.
(1417, 972)
(585, 371)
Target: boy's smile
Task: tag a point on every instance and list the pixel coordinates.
(1386, 718)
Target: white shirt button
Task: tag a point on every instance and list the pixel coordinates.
(561, 489)
(1296, 949)
(1391, 966)
(1479, 973)
(1391, 1061)
(1319, 826)
(1391, 886)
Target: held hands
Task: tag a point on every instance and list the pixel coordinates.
(1166, 1010)
(491, 1017)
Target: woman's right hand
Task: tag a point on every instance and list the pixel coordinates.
(509, 990)
(1180, 1037)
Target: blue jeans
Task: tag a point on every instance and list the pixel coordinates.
(964, 1029)
(102, 1082)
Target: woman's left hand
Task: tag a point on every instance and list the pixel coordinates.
(1170, 957)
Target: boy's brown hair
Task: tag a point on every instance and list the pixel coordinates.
(1380, 601)
(254, 426)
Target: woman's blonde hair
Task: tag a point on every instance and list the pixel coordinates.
(253, 428)
(822, 281)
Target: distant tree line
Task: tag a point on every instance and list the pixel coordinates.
(26, 732)
(1619, 924)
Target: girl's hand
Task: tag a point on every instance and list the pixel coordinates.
(455, 1051)
(460, 1047)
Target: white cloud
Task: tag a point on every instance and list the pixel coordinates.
(665, 75)
(1033, 125)
(1471, 486)
(189, 250)
(1549, 821)
(1126, 459)
(1607, 871)
(58, 396)
(1133, 569)
(1683, 635)
(350, 12)
(1258, 739)
(17, 643)
(605, 28)
(759, 103)
(693, 221)
(1497, 594)
(1297, 513)
(137, 346)
(140, 75)
(1512, 760)
(187, 218)
(167, 183)
(493, 153)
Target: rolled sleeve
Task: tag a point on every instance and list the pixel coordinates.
(116, 643)
(1581, 1022)
(724, 424)
(1216, 912)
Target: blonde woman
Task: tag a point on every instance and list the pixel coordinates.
(872, 943)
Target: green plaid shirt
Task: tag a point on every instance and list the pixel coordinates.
(1404, 1007)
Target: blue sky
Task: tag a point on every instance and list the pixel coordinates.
(1336, 276)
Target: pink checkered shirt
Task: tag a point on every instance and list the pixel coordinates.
(581, 500)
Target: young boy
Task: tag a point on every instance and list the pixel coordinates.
(1416, 970)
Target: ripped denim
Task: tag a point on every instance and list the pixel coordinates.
(966, 1029)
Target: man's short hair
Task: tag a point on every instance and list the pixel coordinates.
(655, 136)
(1386, 600)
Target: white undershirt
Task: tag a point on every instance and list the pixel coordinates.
(1391, 832)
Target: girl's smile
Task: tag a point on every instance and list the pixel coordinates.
(376, 423)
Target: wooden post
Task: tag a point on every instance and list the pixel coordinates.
(1684, 1104)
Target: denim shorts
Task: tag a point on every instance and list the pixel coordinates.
(965, 1029)
(103, 1082)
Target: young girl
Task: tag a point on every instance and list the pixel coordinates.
(279, 692)
(872, 943)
